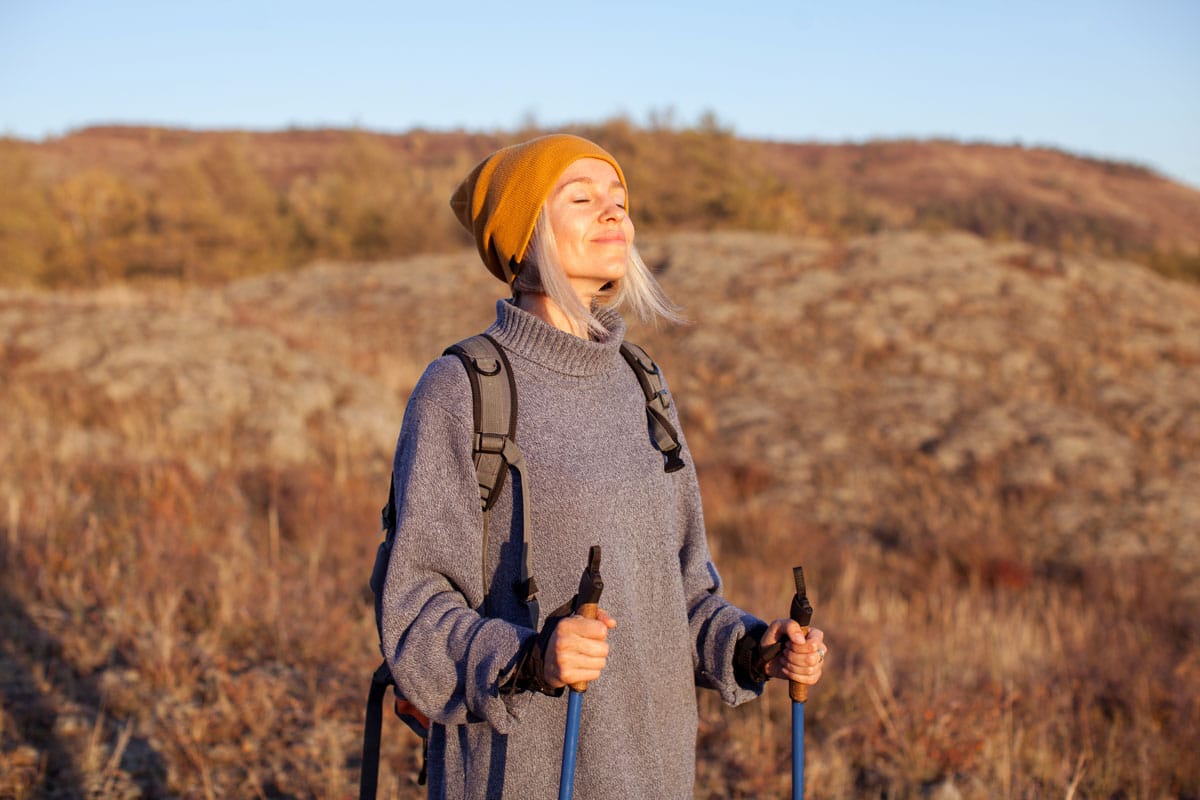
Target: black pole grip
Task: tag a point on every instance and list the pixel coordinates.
(587, 601)
(590, 583)
(801, 612)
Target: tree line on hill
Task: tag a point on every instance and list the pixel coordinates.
(223, 208)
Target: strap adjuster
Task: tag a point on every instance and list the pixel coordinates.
(493, 443)
(486, 366)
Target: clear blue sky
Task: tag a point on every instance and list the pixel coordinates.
(1111, 79)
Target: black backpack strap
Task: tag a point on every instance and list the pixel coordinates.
(658, 402)
(369, 777)
(387, 514)
(372, 731)
(494, 403)
(494, 408)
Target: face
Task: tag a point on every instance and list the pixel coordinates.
(586, 211)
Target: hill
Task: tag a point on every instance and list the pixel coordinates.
(111, 204)
(983, 453)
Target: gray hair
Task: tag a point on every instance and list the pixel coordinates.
(638, 292)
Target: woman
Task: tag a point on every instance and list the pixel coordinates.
(550, 217)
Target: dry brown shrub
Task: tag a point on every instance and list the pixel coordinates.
(113, 204)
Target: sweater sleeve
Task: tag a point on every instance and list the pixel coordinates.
(446, 658)
(715, 624)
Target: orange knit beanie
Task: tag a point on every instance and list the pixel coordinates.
(499, 202)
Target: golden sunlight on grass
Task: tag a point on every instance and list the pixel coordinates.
(984, 455)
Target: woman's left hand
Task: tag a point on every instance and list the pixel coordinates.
(802, 658)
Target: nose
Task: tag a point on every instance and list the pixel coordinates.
(613, 212)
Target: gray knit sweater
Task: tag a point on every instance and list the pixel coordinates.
(594, 478)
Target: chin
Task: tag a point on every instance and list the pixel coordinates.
(616, 270)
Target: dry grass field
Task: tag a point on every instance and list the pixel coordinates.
(984, 454)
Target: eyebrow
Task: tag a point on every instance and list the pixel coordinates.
(584, 179)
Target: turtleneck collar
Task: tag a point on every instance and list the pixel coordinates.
(534, 339)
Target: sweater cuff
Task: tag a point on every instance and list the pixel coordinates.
(529, 675)
(749, 666)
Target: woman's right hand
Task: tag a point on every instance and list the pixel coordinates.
(578, 649)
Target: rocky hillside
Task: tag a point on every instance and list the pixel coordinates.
(1069, 386)
(903, 404)
(1075, 382)
(827, 366)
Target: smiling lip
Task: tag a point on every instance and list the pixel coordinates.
(611, 238)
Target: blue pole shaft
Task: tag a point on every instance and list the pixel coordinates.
(566, 778)
(797, 751)
(801, 613)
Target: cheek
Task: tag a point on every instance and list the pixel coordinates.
(569, 229)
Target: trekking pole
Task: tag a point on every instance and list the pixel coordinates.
(802, 612)
(587, 604)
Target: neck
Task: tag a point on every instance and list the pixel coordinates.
(542, 307)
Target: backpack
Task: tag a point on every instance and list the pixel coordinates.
(494, 408)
